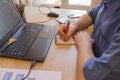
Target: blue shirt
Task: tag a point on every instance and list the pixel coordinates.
(106, 33)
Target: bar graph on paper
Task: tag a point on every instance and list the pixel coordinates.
(18, 74)
(8, 76)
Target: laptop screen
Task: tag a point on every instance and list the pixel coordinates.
(9, 19)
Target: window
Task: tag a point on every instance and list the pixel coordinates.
(80, 2)
(48, 2)
(54, 2)
(76, 4)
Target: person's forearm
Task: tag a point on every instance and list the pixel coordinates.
(84, 54)
(83, 22)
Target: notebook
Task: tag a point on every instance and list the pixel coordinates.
(32, 40)
(59, 41)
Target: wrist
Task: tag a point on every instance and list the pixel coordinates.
(84, 46)
(85, 51)
(73, 29)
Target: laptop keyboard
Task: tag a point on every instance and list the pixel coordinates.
(23, 43)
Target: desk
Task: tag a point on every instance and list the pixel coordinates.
(59, 58)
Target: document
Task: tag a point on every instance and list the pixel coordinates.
(60, 41)
(18, 74)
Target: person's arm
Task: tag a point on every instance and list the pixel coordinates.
(83, 22)
(86, 19)
(84, 46)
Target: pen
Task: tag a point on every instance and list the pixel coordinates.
(67, 28)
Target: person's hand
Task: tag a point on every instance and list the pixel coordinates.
(83, 39)
(61, 32)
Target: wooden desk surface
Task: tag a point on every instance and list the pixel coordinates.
(59, 58)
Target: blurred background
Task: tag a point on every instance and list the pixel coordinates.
(67, 4)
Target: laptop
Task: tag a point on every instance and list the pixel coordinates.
(32, 40)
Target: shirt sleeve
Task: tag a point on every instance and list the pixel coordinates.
(93, 12)
(106, 67)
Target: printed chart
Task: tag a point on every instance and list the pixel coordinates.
(18, 74)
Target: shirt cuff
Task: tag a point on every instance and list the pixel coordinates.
(89, 62)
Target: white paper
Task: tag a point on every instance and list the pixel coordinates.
(34, 74)
(60, 41)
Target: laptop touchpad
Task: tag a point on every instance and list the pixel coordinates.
(39, 48)
(47, 31)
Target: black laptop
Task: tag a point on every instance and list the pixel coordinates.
(33, 40)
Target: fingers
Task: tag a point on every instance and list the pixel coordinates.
(77, 36)
(69, 34)
(83, 38)
(82, 33)
(61, 32)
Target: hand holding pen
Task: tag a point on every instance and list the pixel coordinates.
(65, 31)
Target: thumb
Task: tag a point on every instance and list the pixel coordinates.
(68, 35)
